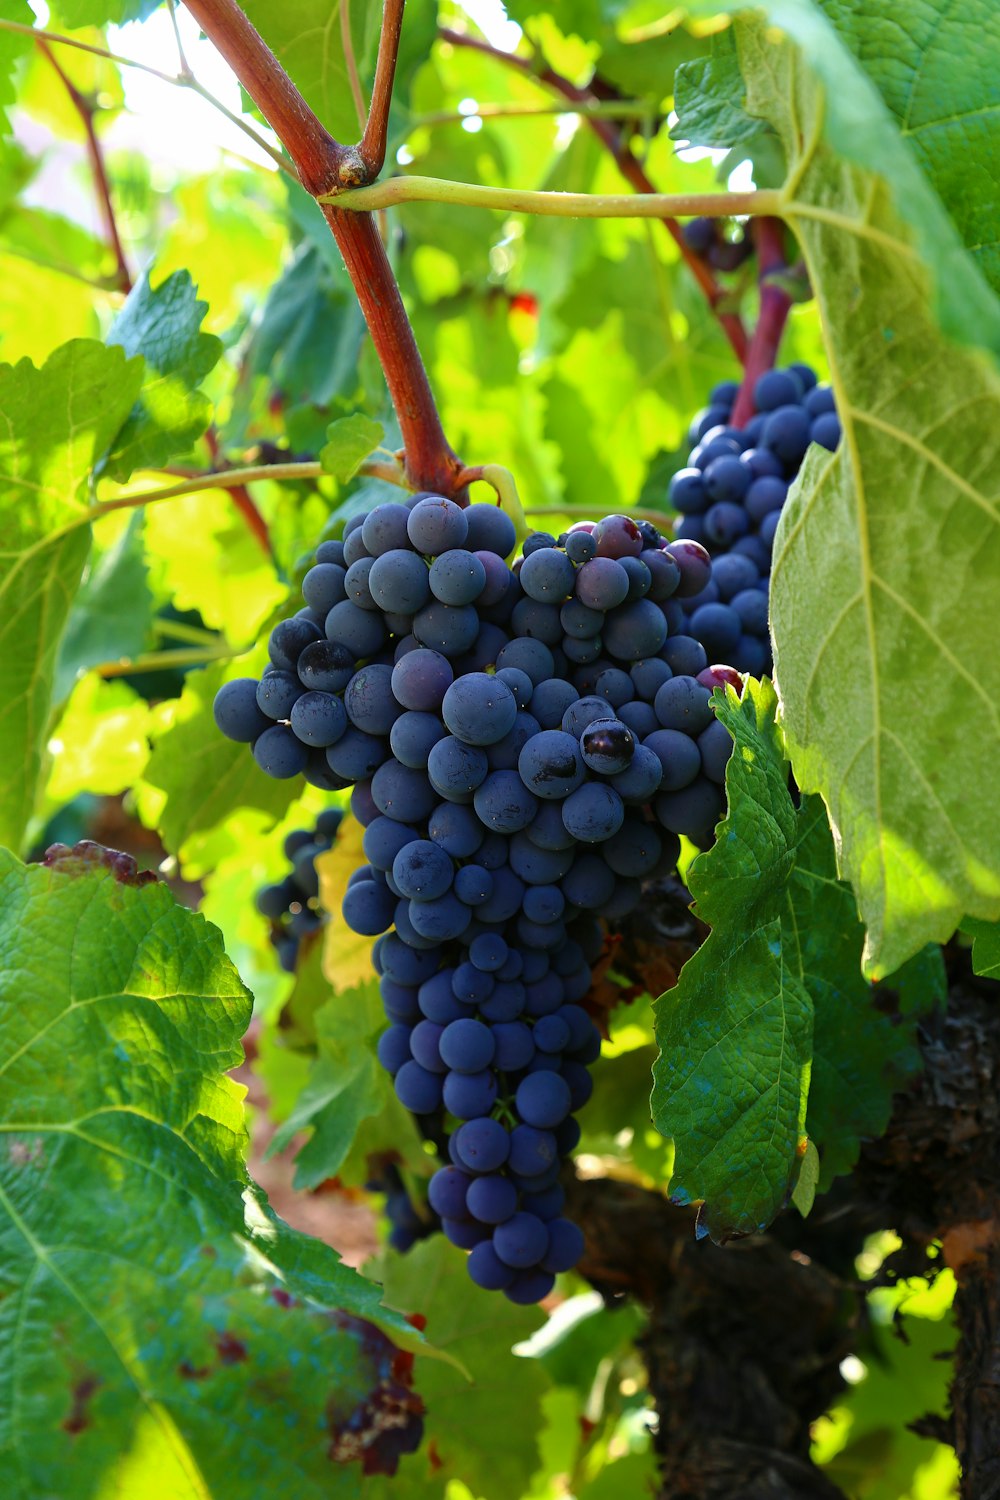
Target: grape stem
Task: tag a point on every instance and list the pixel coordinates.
(418, 189)
(324, 165)
(628, 164)
(775, 304)
(502, 481)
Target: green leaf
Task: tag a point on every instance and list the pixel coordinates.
(346, 1084)
(307, 38)
(985, 946)
(349, 441)
(163, 1322)
(883, 621)
(773, 1007)
(309, 337)
(501, 1393)
(839, 112)
(54, 424)
(204, 776)
(112, 613)
(938, 75)
(735, 1035)
(163, 325)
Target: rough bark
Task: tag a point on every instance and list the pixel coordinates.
(745, 1342)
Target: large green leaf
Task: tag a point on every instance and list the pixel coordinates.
(772, 1010)
(158, 1323)
(839, 112)
(163, 325)
(884, 585)
(499, 1393)
(55, 423)
(940, 76)
(985, 946)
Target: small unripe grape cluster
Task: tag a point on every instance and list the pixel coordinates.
(292, 905)
(730, 495)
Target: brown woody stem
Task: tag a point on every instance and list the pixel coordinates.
(324, 165)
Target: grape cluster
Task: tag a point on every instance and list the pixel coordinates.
(525, 742)
(292, 905)
(708, 239)
(730, 495)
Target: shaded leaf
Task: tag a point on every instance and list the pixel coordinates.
(773, 1008)
(985, 946)
(112, 613)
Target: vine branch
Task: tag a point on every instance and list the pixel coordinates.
(627, 163)
(376, 132)
(323, 165)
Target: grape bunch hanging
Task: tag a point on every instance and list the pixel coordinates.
(525, 744)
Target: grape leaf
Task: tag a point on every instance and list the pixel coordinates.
(119, 1013)
(938, 75)
(772, 1010)
(309, 336)
(842, 115)
(54, 423)
(735, 1034)
(205, 776)
(503, 1395)
(163, 325)
(349, 441)
(985, 946)
(887, 557)
(112, 612)
(346, 1084)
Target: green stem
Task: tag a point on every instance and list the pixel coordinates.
(230, 479)
(417, 189)
(156, 661)
(176, 630)
(503, 482)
